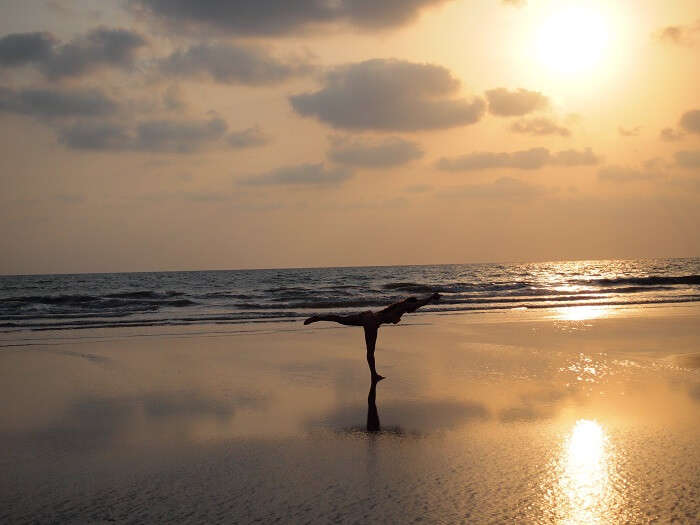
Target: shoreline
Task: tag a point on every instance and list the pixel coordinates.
(562, 314)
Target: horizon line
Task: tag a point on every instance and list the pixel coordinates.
(348, 266)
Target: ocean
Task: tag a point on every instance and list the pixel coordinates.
(69, 302)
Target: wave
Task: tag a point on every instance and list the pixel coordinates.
(143, 294)
(651, 280)
(126, 302)
(460, 287)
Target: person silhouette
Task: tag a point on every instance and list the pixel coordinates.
(371, 321)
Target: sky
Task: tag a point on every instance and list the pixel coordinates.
(143, 135)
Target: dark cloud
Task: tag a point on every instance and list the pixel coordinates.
(389, 95)
(101, 47)
(685, 35)
(304, 174)
(539, 126)
(688, 159)
(229, 63)
(515, 103)
(52, 103)
(279, 17)
(530, 159)
(629, 132)
(625, 174)
(247, 138)
(169, 136)
(19, 49)
(670, 135)
(690, 121)
(392, 151)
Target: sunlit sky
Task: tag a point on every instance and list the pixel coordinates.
(198, 134)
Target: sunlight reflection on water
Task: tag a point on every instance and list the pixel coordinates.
(582, 313)
(583, 488)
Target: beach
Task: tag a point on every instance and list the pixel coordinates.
(572, 415)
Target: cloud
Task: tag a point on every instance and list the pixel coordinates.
(515, 103)
(169, 136)
(571, 157)
(389, 95)
(247, 138)
(690, 121)
(280, 17)
(178, 136)
(688, 159)
(229, 64)
(100, 47)
(530, 159)
(670, 135)
(392, 151)
(19, 49)
(626, 174)
(539, 126)
(504, 188)
(685, 35)
(95, 136)
(629, 132)
(303, 174)
(52, 103)
(172, 99)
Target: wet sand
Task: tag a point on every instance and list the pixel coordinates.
(571, 416)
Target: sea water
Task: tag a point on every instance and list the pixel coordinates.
(61, 302)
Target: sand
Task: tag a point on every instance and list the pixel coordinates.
(569, 416)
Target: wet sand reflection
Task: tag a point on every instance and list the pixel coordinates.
(583, 489)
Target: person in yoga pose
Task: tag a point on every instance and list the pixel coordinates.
(371, 321)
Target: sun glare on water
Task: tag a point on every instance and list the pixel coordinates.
(583, 488)
(573, 40)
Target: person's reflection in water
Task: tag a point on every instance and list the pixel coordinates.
(371, 321)
(372, 414)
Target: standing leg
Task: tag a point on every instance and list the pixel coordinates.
(370, 341)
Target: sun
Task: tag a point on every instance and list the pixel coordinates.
(573, 40)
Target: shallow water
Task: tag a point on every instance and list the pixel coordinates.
(481, 419)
